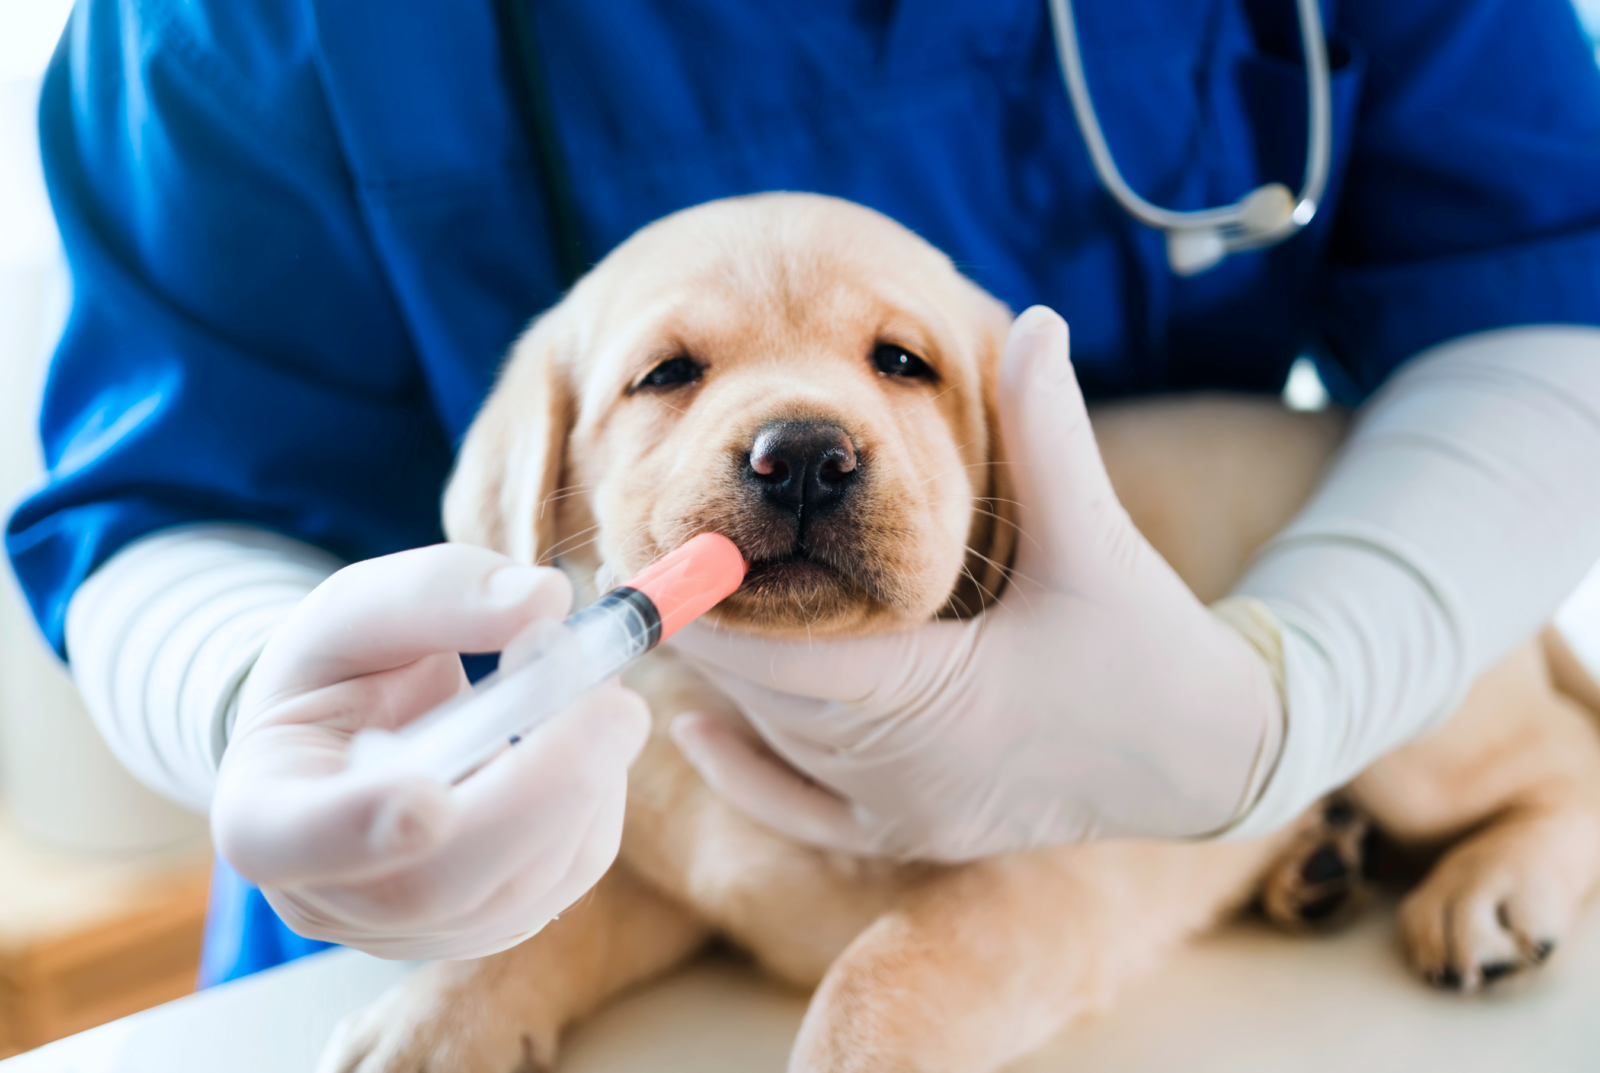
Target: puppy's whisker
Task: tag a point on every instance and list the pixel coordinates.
(1002, 519)
(557, 495)
(964, 610)
(1003, 570)
(930, 478)
(559, 546)
(564, 493)
(958, 467)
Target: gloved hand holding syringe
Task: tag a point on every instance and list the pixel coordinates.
(550, 665)
(437, 841)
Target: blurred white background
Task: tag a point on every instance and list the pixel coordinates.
(57, 781)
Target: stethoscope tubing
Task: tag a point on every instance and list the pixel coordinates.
(1226, 221)
(1229, 220)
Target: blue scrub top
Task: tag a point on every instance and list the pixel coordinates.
(302, 235)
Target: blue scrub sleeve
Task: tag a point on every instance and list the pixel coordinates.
(233, 351)
(1472, 200)
(243, 934)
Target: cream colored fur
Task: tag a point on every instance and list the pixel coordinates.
(917, 968)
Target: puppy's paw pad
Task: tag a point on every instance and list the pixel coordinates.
(1325, 865)
(1496, 970)
(1446, 979)
(1316, 883)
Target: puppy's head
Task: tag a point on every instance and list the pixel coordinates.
(796, 372)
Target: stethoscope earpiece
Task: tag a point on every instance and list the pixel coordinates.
(1266, 215)
(1267, 209)
(1190, 253)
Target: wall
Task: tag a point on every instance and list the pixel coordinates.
(58, 781)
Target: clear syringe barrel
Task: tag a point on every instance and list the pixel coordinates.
(543, 671)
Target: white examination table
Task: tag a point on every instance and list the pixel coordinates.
(1248, 1001)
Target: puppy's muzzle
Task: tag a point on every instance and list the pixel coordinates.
(802, 469)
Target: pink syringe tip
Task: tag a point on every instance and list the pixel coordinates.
(692, 580)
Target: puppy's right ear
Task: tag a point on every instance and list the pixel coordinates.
(504, 490)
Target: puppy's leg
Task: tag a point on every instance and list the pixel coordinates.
(505, 1013)
(1501, 901)
(983, 963)
(1316, 882)
(1517, 770)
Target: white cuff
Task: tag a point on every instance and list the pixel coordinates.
(162, 635)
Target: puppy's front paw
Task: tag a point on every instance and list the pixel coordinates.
(1499, 903)
(1317, 883)
(444, 1018)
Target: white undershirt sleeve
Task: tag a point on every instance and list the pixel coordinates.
(161, 636)
(1463, 509)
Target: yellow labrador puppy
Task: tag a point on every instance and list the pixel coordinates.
(667, 395)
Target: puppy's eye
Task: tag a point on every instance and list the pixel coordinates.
(894, 360)
(673, 372)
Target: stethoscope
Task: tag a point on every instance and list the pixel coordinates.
(1199, 239)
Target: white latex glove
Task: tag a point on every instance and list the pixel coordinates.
(406, 867)
(1098, 698)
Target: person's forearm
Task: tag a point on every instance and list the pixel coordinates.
(1460, 513)
(161, 636)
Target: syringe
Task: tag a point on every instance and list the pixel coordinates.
(550, 665)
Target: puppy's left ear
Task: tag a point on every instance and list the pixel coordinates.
(992, 540)
(503, 494)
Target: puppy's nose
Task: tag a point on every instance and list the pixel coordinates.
(803, 465)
